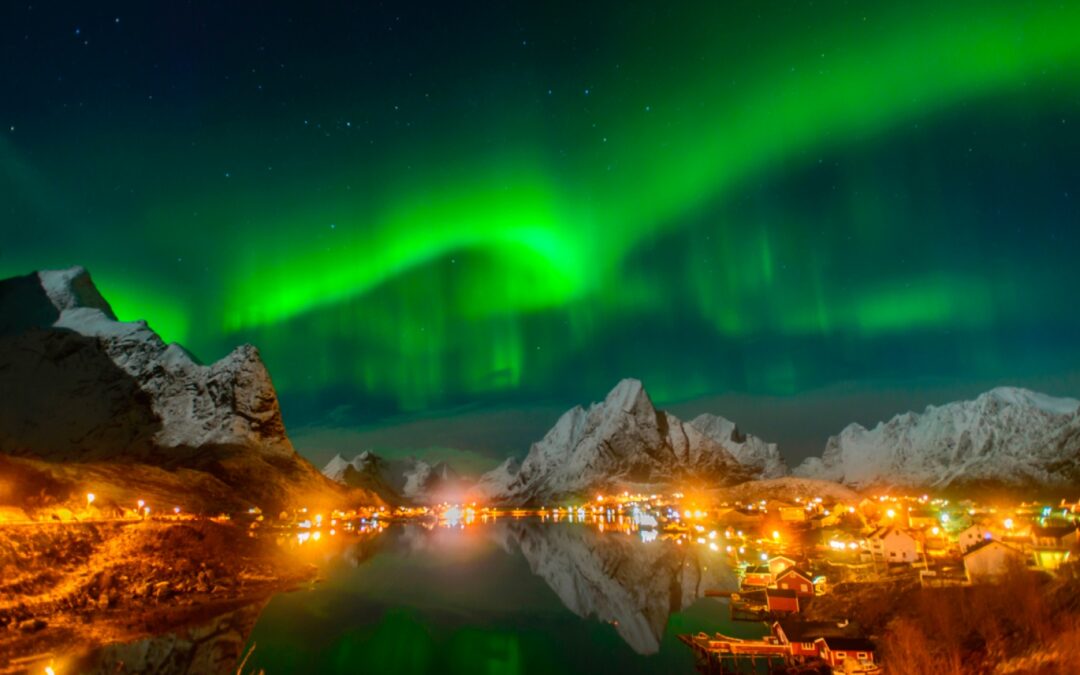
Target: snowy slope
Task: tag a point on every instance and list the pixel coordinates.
(623, 440)
(1007, 435)
(80, 386)
(84, 355)
(762, 457)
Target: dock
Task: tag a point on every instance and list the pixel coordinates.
(721, 654)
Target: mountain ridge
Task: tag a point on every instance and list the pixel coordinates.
(1007, 435)
(114, 393)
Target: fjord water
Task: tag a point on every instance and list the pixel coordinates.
(504, 597)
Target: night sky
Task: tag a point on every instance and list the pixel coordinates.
(443, 223)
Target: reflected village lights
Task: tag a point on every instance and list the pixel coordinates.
(775, 546)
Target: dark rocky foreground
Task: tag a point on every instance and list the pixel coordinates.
(75, 586)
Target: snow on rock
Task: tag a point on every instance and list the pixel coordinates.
(1007, 435)
(118, 384)
(621, 441)
(763, 457)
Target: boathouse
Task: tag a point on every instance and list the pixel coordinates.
(835, 651)
(781, 601)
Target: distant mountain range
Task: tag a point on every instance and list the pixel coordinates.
(1007, 436)
(81, 387)
(399, 481)
(623, 442)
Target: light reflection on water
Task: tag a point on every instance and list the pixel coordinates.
(513, 596)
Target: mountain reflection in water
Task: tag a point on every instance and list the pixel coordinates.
(514, 596)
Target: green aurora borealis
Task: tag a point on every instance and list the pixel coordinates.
(412, 208)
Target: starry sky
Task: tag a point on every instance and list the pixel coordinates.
(442, 223)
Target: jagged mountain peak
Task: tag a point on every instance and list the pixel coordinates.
(115, 395)
(148, 397)
(1018, 396)
(621, 440)
(1008, 435)
(751, 451)
(72, 288)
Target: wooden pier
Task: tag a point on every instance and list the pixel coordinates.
(720, 654)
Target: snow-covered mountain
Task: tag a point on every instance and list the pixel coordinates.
(1007, 436)
(100, 380)
(760, 456)
(80, 386)
(624, 441)
(400, 480)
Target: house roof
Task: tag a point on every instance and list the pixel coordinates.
(796, 630)
(847, 644)
(986, 543)
(794, 570)
(780, 593)
(886, 531)
(758, 569)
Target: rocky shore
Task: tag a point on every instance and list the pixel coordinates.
(71, 584)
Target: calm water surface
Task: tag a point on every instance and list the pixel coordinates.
(514, 596)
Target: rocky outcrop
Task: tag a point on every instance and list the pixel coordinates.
(79, 386)
(104, 384)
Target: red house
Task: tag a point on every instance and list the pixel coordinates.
(803, 638)
(835, 651)
(758, 575)
(782, 601)
(795, 579)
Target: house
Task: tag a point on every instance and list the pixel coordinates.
(893, 545)
(757, 575)
(801, 636)
(976, 534)
(1053, 545)
(795, 579)
(782, 601)
(836, 651)
(991, 560)
(1054, 536)
(922, 518)
(779, 563)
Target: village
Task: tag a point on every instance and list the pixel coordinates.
(791, 553)
(802, 566)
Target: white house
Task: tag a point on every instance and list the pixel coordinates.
(991, 560)
(893, 545)
(972, 536)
